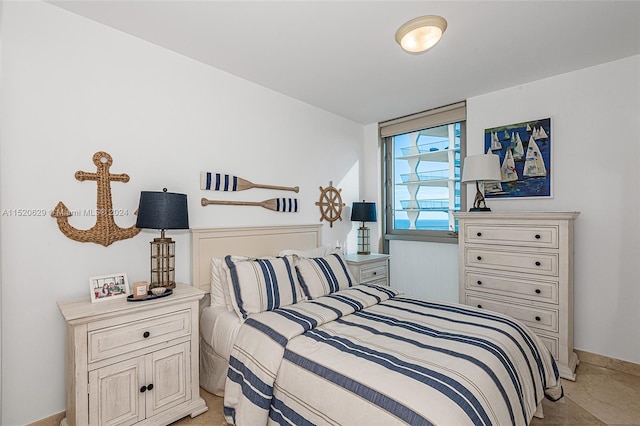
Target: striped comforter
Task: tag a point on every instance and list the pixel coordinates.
(370, 356)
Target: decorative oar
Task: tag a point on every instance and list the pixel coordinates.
(223, 182)
(289, 205)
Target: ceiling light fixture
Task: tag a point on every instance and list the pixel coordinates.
(421, 34)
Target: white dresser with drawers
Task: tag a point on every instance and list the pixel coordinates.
(521, 264)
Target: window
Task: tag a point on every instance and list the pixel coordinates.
(422, 174)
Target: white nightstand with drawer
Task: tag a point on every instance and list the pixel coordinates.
(521, 264)
(133, 362)
(369, 268)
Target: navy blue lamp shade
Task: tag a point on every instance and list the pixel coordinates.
(363, 212)
(162, 210)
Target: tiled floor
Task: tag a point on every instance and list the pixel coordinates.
(599, 396)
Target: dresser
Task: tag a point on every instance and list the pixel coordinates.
(369, 268)
(133, 362)
(521, 264)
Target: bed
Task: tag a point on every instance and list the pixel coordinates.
(293, 339)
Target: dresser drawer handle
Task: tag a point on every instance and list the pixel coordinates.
(537, 318)
(479, 258)
(479, 282)
(479, 306)
(146, 334)
(538, 263)
(538, 291)
(538, 236)
(479, 234)
(375, 273)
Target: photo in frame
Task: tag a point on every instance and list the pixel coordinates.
(525, 159)
(108, 287)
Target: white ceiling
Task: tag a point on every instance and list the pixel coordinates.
(342, 56)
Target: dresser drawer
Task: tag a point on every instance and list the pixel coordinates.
(534, 317)
(512, 235)
(373, 273)
(542, 291)
(527, 263)
(121, 339)
(551, 343)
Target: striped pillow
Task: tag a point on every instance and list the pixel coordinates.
(258, 285)
(320, 276)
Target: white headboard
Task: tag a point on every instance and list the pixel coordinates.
(253, 241)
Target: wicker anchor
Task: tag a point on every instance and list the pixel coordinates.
(105, 231)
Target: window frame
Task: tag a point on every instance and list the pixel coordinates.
(387, 130)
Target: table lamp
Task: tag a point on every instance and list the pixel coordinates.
(363, 212)
(481, 168)
(162, 210)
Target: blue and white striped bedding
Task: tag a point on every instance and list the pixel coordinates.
(368, 355)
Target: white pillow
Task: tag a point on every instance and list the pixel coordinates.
(316, 252)
(219, 289)
(324, 275)
(264, 284)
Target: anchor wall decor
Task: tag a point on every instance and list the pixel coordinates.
(105, 231)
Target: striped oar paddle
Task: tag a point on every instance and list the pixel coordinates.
(223, 182)
(289, 205)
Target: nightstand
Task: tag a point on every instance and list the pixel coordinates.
(369, 268)
(133, 362)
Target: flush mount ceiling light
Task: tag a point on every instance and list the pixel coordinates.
(421, 34)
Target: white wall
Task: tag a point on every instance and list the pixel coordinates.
(72, 87)
(595, 118)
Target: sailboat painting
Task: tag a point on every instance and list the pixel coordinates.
(525, 156)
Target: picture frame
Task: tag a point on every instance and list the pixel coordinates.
(108, 287)
(525, 152)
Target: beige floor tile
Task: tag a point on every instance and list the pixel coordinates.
(565, 413)
(611, 396)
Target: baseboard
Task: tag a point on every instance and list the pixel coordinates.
(626, 367)
(53, 420)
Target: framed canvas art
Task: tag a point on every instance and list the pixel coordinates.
(525, 159)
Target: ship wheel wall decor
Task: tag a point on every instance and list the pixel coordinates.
(330, 204)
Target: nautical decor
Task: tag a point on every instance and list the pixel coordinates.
(363, 212)
(525, 157)
(479, 169)
(288, 205)
(105, 231)
(222, 182)
(162, 210)
(330, 204)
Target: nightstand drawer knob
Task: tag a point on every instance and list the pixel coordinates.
(538, 291)
(538, 263)
(537, 318)
(479, 306)
(479, 234)
(479, 282)
(538, 236)
(479, 257)
(375, 273)
(146, 334)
